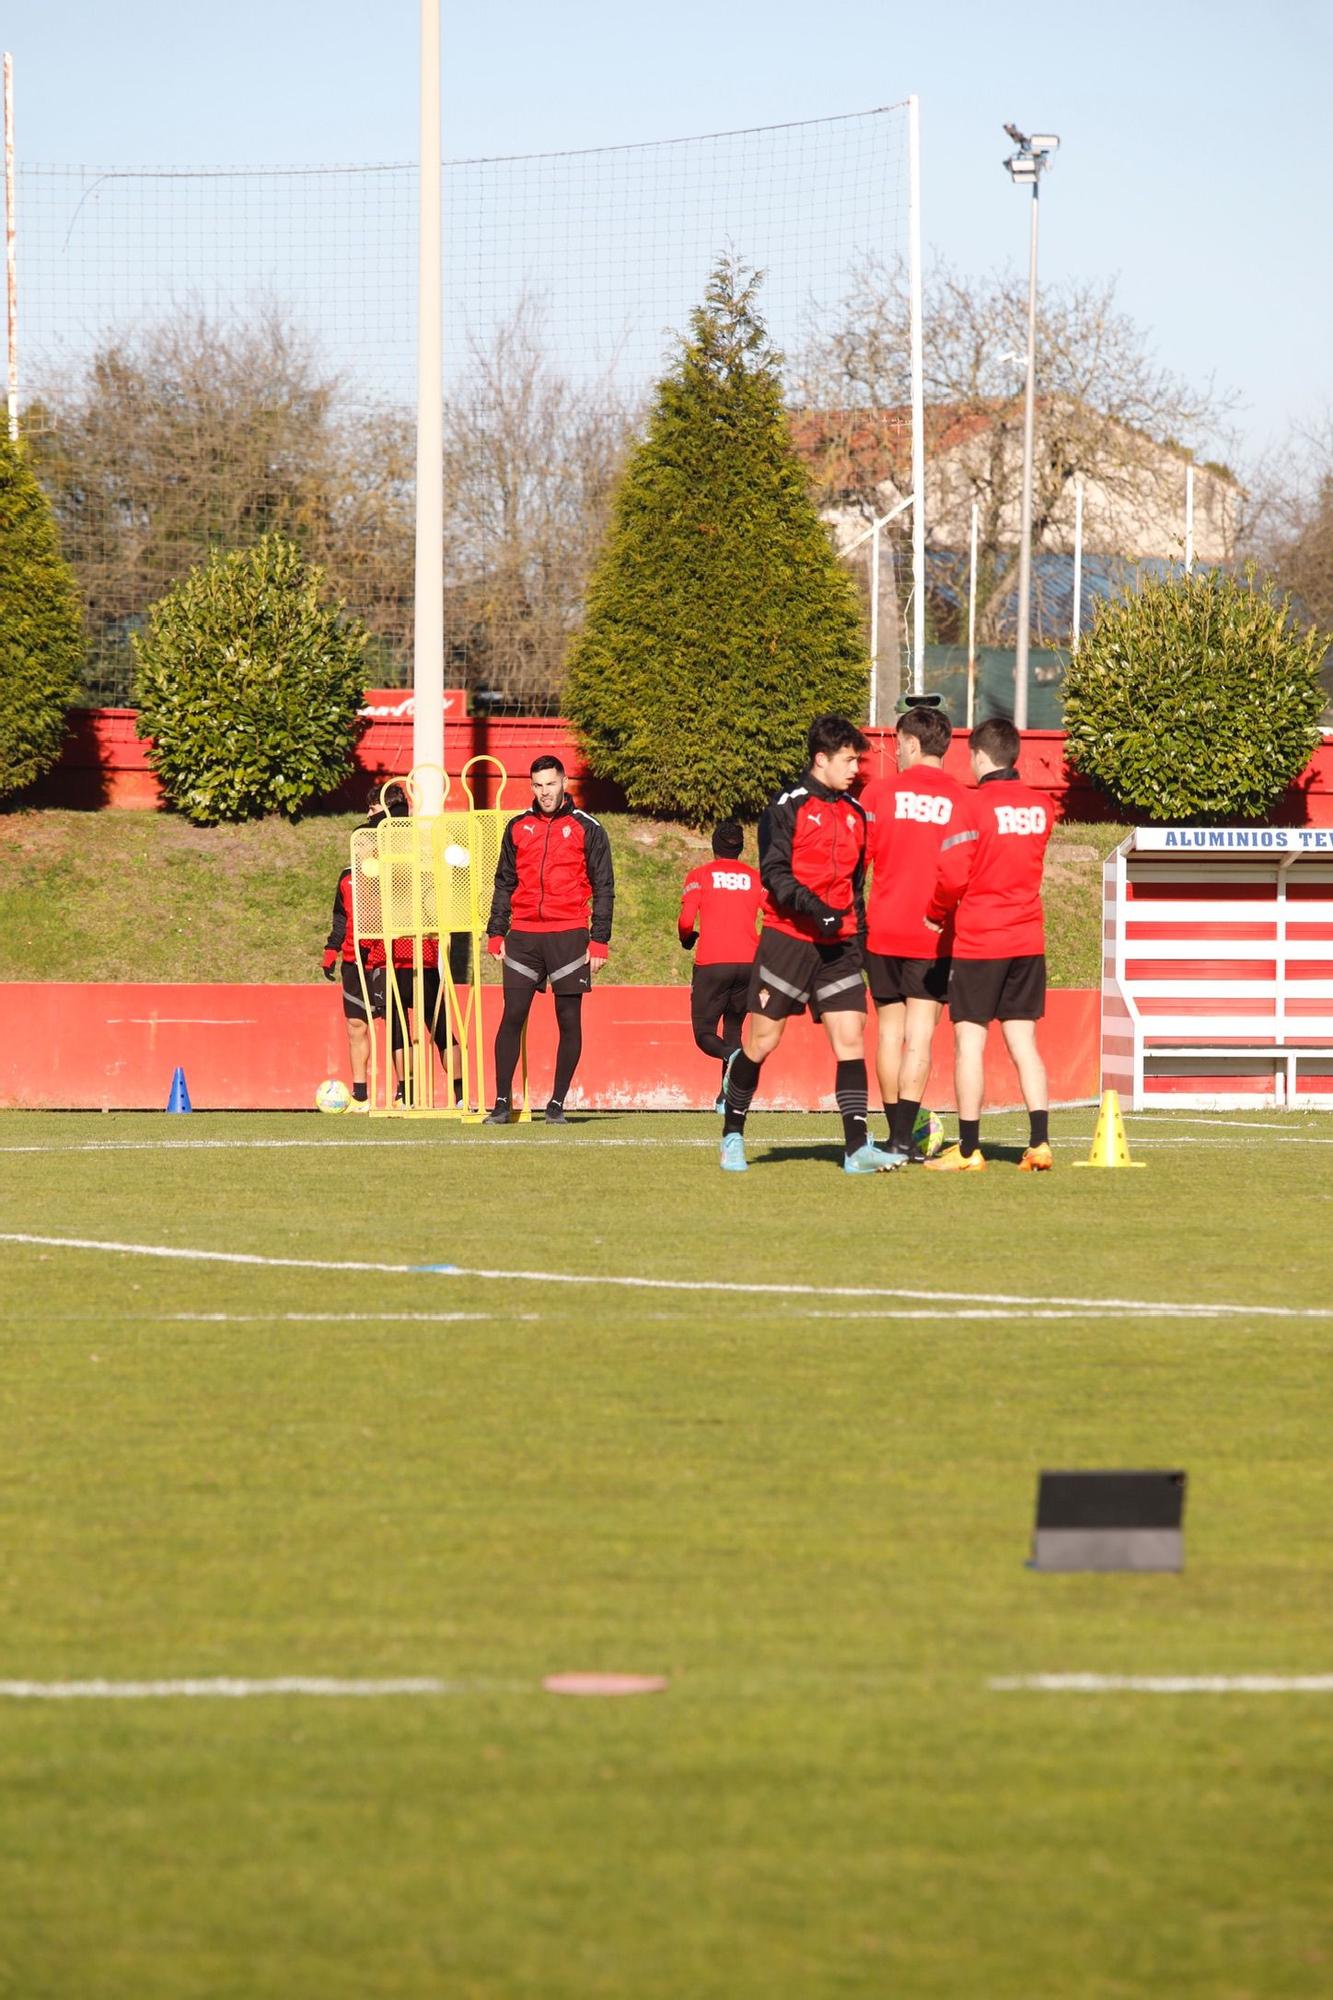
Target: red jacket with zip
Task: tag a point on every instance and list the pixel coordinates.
(551, 867)
(812, 845)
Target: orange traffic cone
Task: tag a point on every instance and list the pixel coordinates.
(1109, 1146)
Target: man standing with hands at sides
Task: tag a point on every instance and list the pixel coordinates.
(555, 860)
(812, 860)
(719, 906)
(990, 883)
(910, 818)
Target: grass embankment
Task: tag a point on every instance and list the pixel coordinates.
(810, 1512)
(147, 896)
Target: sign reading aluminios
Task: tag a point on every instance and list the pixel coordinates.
(1233, 840)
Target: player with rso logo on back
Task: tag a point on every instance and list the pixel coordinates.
(812, 859)
(720, 903)
(989, 884)
(907, 964)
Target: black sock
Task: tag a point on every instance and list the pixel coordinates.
(904, 1119)
(849, 1087)
(360, 1092)
(1039, 1128)
(741, 1086)
(569, 1020)
(969, 1134)
(509, 1041)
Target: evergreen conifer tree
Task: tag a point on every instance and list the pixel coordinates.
(719, 620)
(41, 627)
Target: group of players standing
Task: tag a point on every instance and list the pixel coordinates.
(952, 915)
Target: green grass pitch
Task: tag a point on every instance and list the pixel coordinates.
(809, 1512)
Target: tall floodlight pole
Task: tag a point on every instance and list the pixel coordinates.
(11, 260)
(1025, 168)
(917, 679)
(428, 621)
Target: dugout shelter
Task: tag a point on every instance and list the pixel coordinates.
(1217, 968)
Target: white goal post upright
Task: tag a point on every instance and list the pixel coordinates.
(918, 399)
(428, 611)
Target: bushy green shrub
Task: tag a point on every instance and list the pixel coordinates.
(1196, 698)
(719, 620)
(41, 627)
(249, 686)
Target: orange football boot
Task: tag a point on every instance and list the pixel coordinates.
(955, 1161)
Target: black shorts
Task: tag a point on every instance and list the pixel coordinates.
(534, 959)
(792, 973)
(719, 992)
(893, 979)
(354, 1006)
(998, 989)
(433, 1006)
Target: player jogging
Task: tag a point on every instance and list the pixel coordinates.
(990, 882)
(812, 859)
(554, 861)
(719, 907)
(907, 964)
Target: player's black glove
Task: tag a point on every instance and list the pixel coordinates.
(688, 940)
(827, 919)
(330, 965)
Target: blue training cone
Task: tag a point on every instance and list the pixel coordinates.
(179, 1100)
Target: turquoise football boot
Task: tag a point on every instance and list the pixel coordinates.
(870, 1159)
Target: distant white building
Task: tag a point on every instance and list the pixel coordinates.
(1133, 487)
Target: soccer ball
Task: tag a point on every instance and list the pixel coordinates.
(928, 1133)
(332, 1095)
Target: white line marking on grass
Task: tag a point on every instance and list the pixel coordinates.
(978, 1312)
(320, 1319)
(1236, 1124)
(1165, 1684)
(596, 1141)
(229, 1689)
(1161, 1308)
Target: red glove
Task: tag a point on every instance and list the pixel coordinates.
(330, 962)
(495, 946)
(597, 953)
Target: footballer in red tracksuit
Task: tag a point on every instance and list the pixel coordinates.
(989, 883)
(911, 815)
(550, 923)
(720, 903)
(812, 843)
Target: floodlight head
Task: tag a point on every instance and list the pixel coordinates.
(1022, 168)
(1045, 142)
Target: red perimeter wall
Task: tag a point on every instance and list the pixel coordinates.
(265, 1048)
(105, 764)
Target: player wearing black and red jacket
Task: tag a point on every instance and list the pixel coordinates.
(555, 861)
(720, 901)
(812, 843)
(907, 964)
(989, 884)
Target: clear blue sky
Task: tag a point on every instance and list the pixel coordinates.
(1194, 167)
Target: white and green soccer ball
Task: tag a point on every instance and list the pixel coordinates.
(928, 1133)
(332, 1095)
